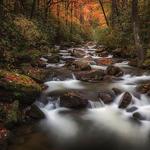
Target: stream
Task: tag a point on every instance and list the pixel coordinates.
(98, 127)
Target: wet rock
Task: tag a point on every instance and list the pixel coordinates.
(73, 100)
(114, 71)
(107, 78)
(35, 112)
(125, 100)
(90, 76)
(87, 59)
(117, 91)
(78, 65)
(104, 61)
(133, 62)
(79, 53)
(144, 88)
(52, 58)
(106, 97)
(132, 109)
(139, 116)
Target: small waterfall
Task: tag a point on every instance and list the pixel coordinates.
(73, 76)
(95, 104)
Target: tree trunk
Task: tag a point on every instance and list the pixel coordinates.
(1, 8)
(138, 45)
(33, 8)
(101, 4)
(114, 13)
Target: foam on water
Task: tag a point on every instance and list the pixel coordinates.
(63, 85)
(98, 67)
(55, 65)
(62, 126)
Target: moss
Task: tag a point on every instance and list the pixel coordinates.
(20, 87)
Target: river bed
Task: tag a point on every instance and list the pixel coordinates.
(99, 126)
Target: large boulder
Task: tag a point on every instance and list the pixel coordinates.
(73, 100)
(125, 100)
(90, 76)
(20, 87)
(114, 71)
(106, 97)
(79, 53)
(78, 65)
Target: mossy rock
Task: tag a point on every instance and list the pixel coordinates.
(38, 74)
(21, 87)
(146, 64)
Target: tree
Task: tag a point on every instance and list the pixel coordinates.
(137, 40)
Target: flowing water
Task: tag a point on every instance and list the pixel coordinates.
(99, 127)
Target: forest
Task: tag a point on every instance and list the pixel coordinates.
(74, 74)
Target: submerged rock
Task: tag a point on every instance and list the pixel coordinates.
(125, 100)
(114, 71)
(73, 100)
(90, 76)
(132, 109)
(139, 116)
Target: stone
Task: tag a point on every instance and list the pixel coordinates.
(35, 112)
(117, 91)
(21, 87)
(132, 109)
(79, 53)
(73, 100)
(90, 76)
(114, 71)
(144, 88)
(78, 65)
(106, 97)
(138, 116)
(52, 58)
(104, 61)
(125, 100)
